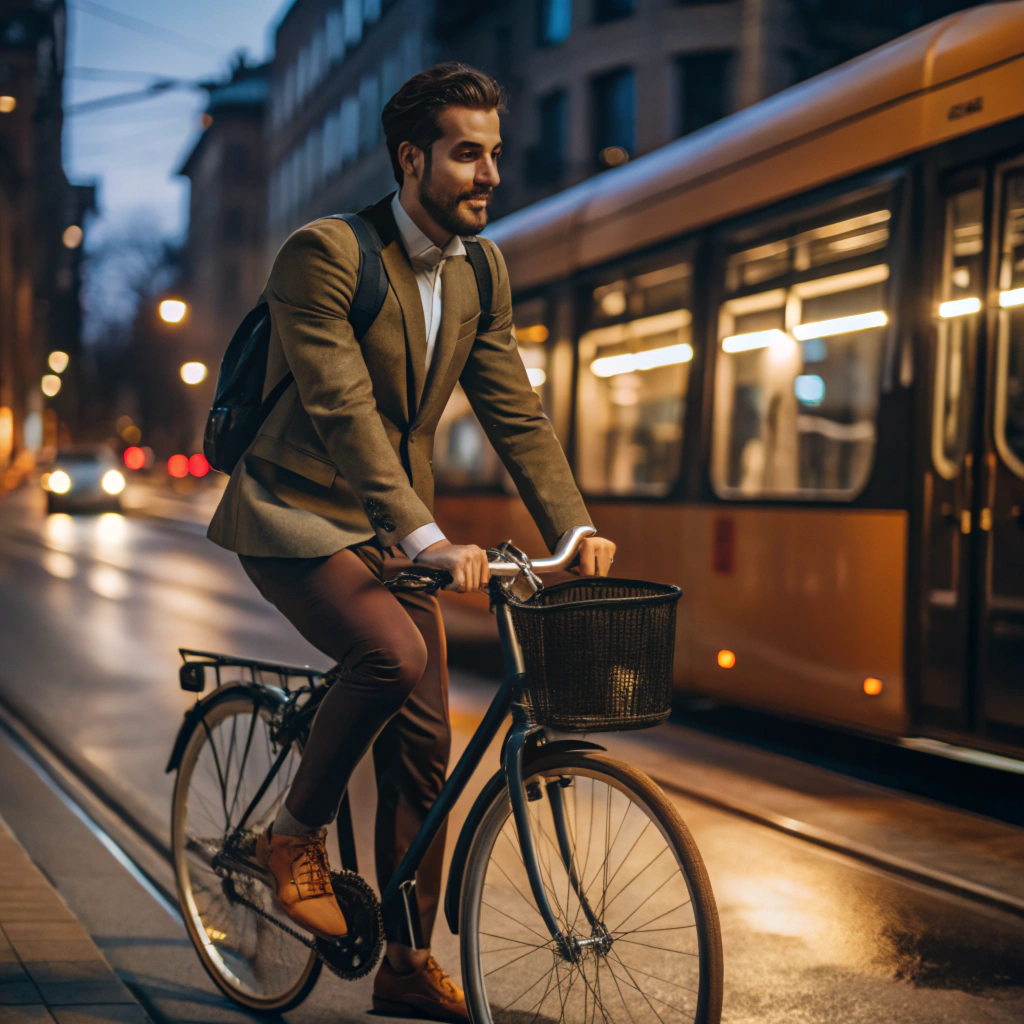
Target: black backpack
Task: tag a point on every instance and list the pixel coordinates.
(239, 408)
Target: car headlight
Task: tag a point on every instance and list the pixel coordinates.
(112, 482)
(58, 481)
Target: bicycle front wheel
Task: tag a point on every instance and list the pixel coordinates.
(628, 887)
(233, 919)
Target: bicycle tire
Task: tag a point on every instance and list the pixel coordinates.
(223, 962)
(485, 901)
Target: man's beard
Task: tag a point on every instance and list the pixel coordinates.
(446, 209)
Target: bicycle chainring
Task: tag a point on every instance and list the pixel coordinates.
(360, 951)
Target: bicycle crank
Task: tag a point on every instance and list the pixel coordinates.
(355, 955)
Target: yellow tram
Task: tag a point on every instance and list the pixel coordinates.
(785, 356)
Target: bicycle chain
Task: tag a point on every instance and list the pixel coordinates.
(315, 944)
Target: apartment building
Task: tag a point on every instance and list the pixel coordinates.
(336, 64)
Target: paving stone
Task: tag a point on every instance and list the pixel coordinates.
(54, 949)
(37, 1014)
(7, 954)
(11, 971)
(81, 993)
(18, 930)
(18, 993)
(124, 1013)
(55, 971)
(11, 913)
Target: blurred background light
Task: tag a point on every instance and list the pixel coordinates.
(197, 465)
(537, 376)
(193, 373)
(72, 237)
(726, 659)
(112, 482)
(177, 466)
(872, 686)
(959, 307)
(59, 482)
(809, 388)
(50, 385)
(134, 457)
(7, 104)
(58, 361)
(172, 311)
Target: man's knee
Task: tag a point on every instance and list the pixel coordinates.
(397, 664)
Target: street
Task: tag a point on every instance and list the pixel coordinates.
(93, 611)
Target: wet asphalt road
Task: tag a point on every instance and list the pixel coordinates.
(93, 609)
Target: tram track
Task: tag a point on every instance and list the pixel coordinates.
(147, 856)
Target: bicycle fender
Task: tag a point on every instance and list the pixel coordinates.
(494, 785)
(195, 714)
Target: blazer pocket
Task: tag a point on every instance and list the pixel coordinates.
(467, 327)
(306, 464)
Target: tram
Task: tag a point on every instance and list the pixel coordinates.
(785, 356)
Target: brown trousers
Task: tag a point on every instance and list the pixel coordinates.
(392, 693)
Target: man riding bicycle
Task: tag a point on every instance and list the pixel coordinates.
(339, 479)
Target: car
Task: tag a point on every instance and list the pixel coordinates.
(84, 478)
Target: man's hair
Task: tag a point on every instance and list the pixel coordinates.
(413, 113)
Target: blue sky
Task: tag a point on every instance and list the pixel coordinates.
(133, 151)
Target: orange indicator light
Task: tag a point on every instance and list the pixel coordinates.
(726, 659)
(872, 686)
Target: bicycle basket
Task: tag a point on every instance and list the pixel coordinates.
(598, 654)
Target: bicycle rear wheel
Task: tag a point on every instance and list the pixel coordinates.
(627, 885)
(253, 961)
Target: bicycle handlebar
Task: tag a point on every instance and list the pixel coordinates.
(565, 552)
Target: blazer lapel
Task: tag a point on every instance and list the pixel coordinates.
(452, 313)
(403, 281)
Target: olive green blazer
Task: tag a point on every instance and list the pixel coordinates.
(345, 455)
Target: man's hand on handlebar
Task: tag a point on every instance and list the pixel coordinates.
(466, 562)
(596, 557)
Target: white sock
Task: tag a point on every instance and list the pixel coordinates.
(286, 824)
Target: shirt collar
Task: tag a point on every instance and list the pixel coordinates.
(423, 253)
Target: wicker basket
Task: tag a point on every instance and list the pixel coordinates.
(598, 654)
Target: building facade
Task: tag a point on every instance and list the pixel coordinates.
(225, 258)
(41, 237)
(336, 63)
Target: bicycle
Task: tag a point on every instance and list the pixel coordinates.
(559, 887)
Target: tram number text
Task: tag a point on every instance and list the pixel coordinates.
(965, 109)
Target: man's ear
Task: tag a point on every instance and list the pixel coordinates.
(407, 158)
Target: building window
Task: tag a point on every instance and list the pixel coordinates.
(634, 373)
(353, 13)
(614, 108)
(546, 160)
(554, 21)
(371, 11)
(412, 52)
(390, 76)
(349, 129)
(1009, 405)
(798, 371)
(335, 31)
(612, 10)
(303, 83)
(703, 81)
(369, 112)
(331, 147)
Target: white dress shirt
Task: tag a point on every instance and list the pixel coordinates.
(427, 261)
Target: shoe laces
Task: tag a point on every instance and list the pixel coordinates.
(310, 870)
(441, 976)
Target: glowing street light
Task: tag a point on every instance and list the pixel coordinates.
(58, 361)
(7, 104)
(72, 237)
(172, 311)
(50, 385)
(193, 373)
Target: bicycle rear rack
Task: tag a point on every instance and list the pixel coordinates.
(192, 674)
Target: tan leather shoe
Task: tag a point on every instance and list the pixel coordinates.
(428, 992)
(298, 865)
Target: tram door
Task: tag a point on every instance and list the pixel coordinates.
(972, 676)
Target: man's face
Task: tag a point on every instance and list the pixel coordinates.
(461, 170)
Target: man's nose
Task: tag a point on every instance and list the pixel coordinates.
(487, 173)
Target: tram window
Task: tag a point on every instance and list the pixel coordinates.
(830, 243)
(961, 288)
(463, 457)
(631, 392)
(797, 386)
(1010, 360)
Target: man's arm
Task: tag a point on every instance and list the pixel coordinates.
(310, 292)
(509, 410)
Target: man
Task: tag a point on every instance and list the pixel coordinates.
(339, 479)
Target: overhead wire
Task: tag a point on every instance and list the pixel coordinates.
(141, 25)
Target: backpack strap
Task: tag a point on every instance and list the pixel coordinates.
(484, 282)
(372, 281)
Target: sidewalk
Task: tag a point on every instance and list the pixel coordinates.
(51, 972)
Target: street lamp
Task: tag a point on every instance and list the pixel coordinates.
(50, 385)
(58, 361)
(193, 373)
(172, 311)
